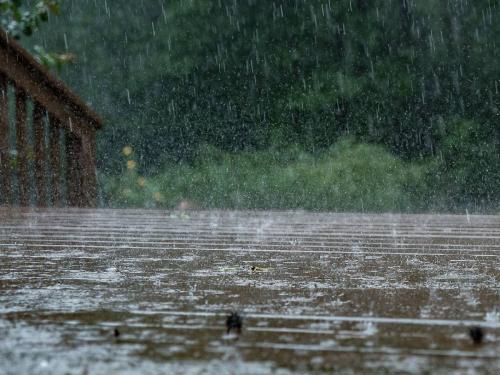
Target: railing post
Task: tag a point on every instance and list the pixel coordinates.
(73, 169)
(5, 178)
(40, 181)
(22, 146)
(55, 160)
(89, 185)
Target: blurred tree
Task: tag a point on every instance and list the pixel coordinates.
(468, 170)
(256, 75)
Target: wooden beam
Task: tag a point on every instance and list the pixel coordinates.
(22, 147)
(48, 99)
(55, 160)
(40, 175)
(17, 64)
(5, 174)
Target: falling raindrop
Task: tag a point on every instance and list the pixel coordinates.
(128, 95)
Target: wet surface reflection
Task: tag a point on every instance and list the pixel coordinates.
(317, 292)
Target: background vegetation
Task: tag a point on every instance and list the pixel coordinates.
(333, 105)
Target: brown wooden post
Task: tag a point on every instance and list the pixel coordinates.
(40, 181)
(89, 182)
(5, 180)
(55, 160)
(22, 146)
(73, 169)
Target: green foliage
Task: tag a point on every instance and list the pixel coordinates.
(23, 17)
(19, 18)
(347, 177)
(258, 76)
(53, 60)
(467, 173)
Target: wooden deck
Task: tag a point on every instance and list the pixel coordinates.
(318, 292)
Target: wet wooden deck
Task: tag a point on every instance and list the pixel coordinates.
(318, 292)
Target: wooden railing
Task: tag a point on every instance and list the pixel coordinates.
(47, 136)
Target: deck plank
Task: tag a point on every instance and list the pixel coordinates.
(318, 291)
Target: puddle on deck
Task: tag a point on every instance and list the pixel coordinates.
(318, 292)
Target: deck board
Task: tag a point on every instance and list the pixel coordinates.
(346, 292)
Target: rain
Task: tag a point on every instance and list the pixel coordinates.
(249, 186)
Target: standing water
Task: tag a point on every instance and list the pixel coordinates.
(316, 292)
